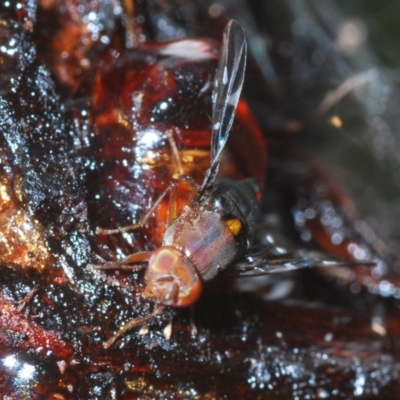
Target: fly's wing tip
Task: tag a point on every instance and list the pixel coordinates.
(234, 27)
(228, 84)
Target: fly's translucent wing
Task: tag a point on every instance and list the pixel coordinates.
(227, 88)
(227, 85)
(254, 266)
(273, 252)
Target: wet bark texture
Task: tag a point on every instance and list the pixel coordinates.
(73, 157)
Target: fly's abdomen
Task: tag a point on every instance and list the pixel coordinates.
(237, 199)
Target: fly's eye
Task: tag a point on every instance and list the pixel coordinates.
(234, 225)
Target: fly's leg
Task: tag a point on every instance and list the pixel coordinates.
(179, 174)
(195, 187)
(132, 324)
(136, 258)
(172, 204)
(141, 257)
(138, 225)
(175, 154)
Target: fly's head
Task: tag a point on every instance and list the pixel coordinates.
(171, 278)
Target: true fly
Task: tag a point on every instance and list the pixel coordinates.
(217, 227)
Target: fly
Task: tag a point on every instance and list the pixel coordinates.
(217, 227)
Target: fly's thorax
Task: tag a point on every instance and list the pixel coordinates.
(205, 239)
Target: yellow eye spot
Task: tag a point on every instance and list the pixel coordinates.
(234, 225)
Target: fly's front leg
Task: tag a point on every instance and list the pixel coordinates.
(132, 324)
(137, 258)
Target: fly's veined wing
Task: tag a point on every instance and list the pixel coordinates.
(228, 85)
(227, 88)
(256, 265)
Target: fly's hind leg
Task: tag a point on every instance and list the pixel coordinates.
(179, 174)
